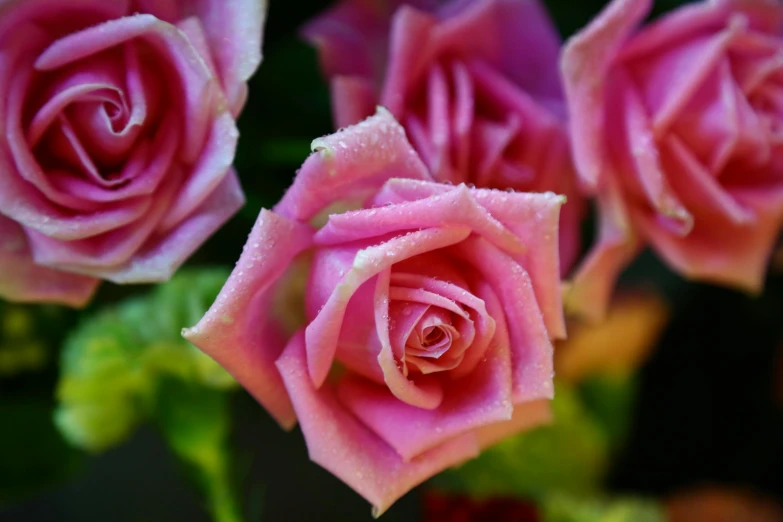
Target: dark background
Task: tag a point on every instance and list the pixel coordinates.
(706, 412)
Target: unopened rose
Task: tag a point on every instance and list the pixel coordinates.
(678, 128)
(427, 313)
(119, 134)
(474, 83)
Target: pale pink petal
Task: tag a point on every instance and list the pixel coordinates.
(188, 68)
(531, 349)
(479, 399)
(23, 281)
(340, 443)
(590, 290)
(585, 63)
(234, 30)
(323, 332)
(164, 252)
(238, 330)
(533, 218)
(455, 207)
(210, 170)
(425, 392)
(645, 163)
(349, 164)
(719, 251)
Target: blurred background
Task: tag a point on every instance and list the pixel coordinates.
(676, 402)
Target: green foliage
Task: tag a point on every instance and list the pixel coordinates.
(610, 399)
(195, 421)
(569, 455)
(112, 364)
(558, 508)
(128, 364)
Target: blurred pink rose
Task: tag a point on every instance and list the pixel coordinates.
(475, 83)
(678, 127)
(427, 313)
(118, 118)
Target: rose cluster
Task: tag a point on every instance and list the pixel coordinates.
(402, 300)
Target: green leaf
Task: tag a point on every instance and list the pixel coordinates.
(195, 421)
(569, 455)
(610, 399)
(113, 363)
(560, 508)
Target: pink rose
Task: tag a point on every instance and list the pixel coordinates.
(426, 320)
(678, 127)
(475, 84)
(118, 119)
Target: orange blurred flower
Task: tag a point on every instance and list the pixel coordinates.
(619, 344)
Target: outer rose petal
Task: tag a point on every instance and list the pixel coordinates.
(351, 163)
(237, 330)
(160, 257)
(234, 30)
(339, 443)
(22, 280)
(585, 62)
(590, 289)
(703, 253)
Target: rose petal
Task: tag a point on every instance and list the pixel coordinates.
(23, 281)
(191, 71)
(353, 100)
(454, 207)
(531, 349)
(482, 398)
(246, 343)
(585, 64)
(323, 332)
(234, 30)
(342, 445)
(162, 255)
(351, 163)
(589, 292)
(533, 218)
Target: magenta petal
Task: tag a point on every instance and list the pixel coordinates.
(24, 281)
(340, 443)
(237, 330)
(350, 164)
(585, 64)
